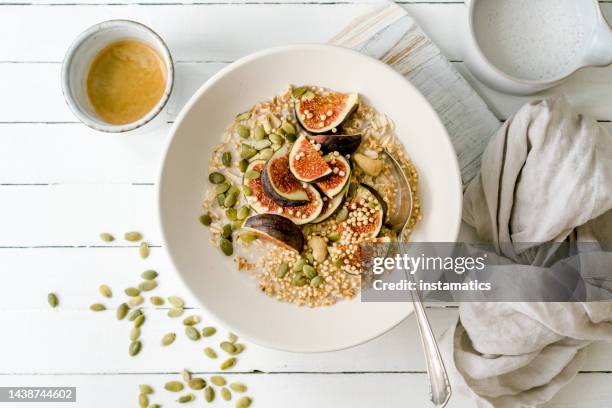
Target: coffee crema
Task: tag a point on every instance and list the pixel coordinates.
(125, 81)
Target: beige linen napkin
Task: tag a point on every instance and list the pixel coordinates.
(546, 176)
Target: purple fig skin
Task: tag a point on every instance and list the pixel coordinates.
(376, 194)
(277, 229)
(343, 144)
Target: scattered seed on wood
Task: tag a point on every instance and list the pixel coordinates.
(232, 338)
(226, 159)
(168, 339)
(143, 400)
(134, 314)
(52, 299)
(227, 347)
(244, 402)
(134, 333)
(226, 394)
(218, 380)
(192, 333)
(132, 291)
(197, 384)
(238, 387)
(145, 389)
(133, 236)
(186, 398)
(122, 311)
(176, 312)
(205, 219)
(134, 348)
(191, 320)
(147, 285)
(105, 291)
(157, 301)
(174, 386)
(239, 348)
(209, 394)
(229, 363)
(186, 375)
(106, 237)
(210, 353)
(136, 301)
(144, 250)
(149, 274)
(139, 320)
(97, 307)
(176, 301)
(208, 331)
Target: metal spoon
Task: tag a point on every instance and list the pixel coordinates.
(438, 378)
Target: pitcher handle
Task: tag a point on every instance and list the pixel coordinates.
(600, 53)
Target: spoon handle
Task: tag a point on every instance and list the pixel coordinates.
(438, 378)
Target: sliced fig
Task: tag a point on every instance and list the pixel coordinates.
(279, 183)
(324, 112)
(330, 205)
(306, 162)
(262, 203)
(367, 213)
(277, 229)
(333, 184)
(343, 144)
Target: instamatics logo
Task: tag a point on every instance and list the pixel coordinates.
(414, 264)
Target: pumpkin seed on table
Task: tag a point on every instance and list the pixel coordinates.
(229, 363)
(132, 236)
(154, 406)
(135, 333)
(52, 299)
(168, 339)
(216, 178)
(174, 386)
(156, 301)
(149, 274)
(106, 237)
(226, 394)
(226, 159)
(136, 301)
(208, 331)
(243, 131)
(145, 389)
(176, 312)
(122, 311)
(135, 348)
(191, 320)
(244, 402)
(205, 219)
(144, 250)
(218, 380)
(252, 174)
(239, 348)
(186, 398)
(242, 165)
(139, 321)
(228, 347)
(186, 375)
(192, 333)
(131, 291)
(134, 314)
(210, 353)
(143, 400)
(97, 307)
(232, 337)
(197, 384)
(238, 387)
(176, 301)
(147, 285)
(222, 188)
(209, 394)
(226, 246)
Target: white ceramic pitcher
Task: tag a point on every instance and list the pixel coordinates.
(595, 48)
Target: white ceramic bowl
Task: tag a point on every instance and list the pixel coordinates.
(232, 297)
(78, 60)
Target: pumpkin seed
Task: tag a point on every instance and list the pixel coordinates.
(139, 321)
(226, 159)
(144, 250)
(352, 189)
(176, 312)
(97, 307)
(134, 314)
(277, 139)
(338, 263)
(218, 380)
(244, 402)
(282, 270)
(299, 280)
(134, 348)
(229, 363)
(248, 237)
(260, 133)
(232, 338)
(208, 331)
(122, 311)
(334, 236)
(246, 151)
(143, 400)
(134, 333)
(226, 394)
(265, 154)
(136, 301)
(209, 394)
(288, 128)
(231, 214)
(252, 174)
(222, 188)
(221, 199)
(262, 144)
(186, 398)
(191, 320)
(205, 219)
(243, 116)
(242, 165)
(210, 353)
(186, 375)
(237, 224)
(316, 281)
(230, 200)
(309, 271)
(131, 291)
(197, 384)
(155, 406)
(297, 92)
(192, 333)
(243, 213)
(226, 232)
(228, 347)
(133, 236)
(308, 95)
(299, 265)
(226, 246)
(309, 258)
(291, 137)
(238, 387)
(243, 131)
(52, 299)
(174, 386)
(145, 389)
(149, 274)
(156, 300)
(176, 301)
(233, 190)
(216, 178)
(342, 215)
(168, 339)
(239, 349)
(106, 237)
(147, 285)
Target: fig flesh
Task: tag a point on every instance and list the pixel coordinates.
(279, 183)
(324, 112)
(306, 162)
(333, 184)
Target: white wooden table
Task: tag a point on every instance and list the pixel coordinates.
(61, 184)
